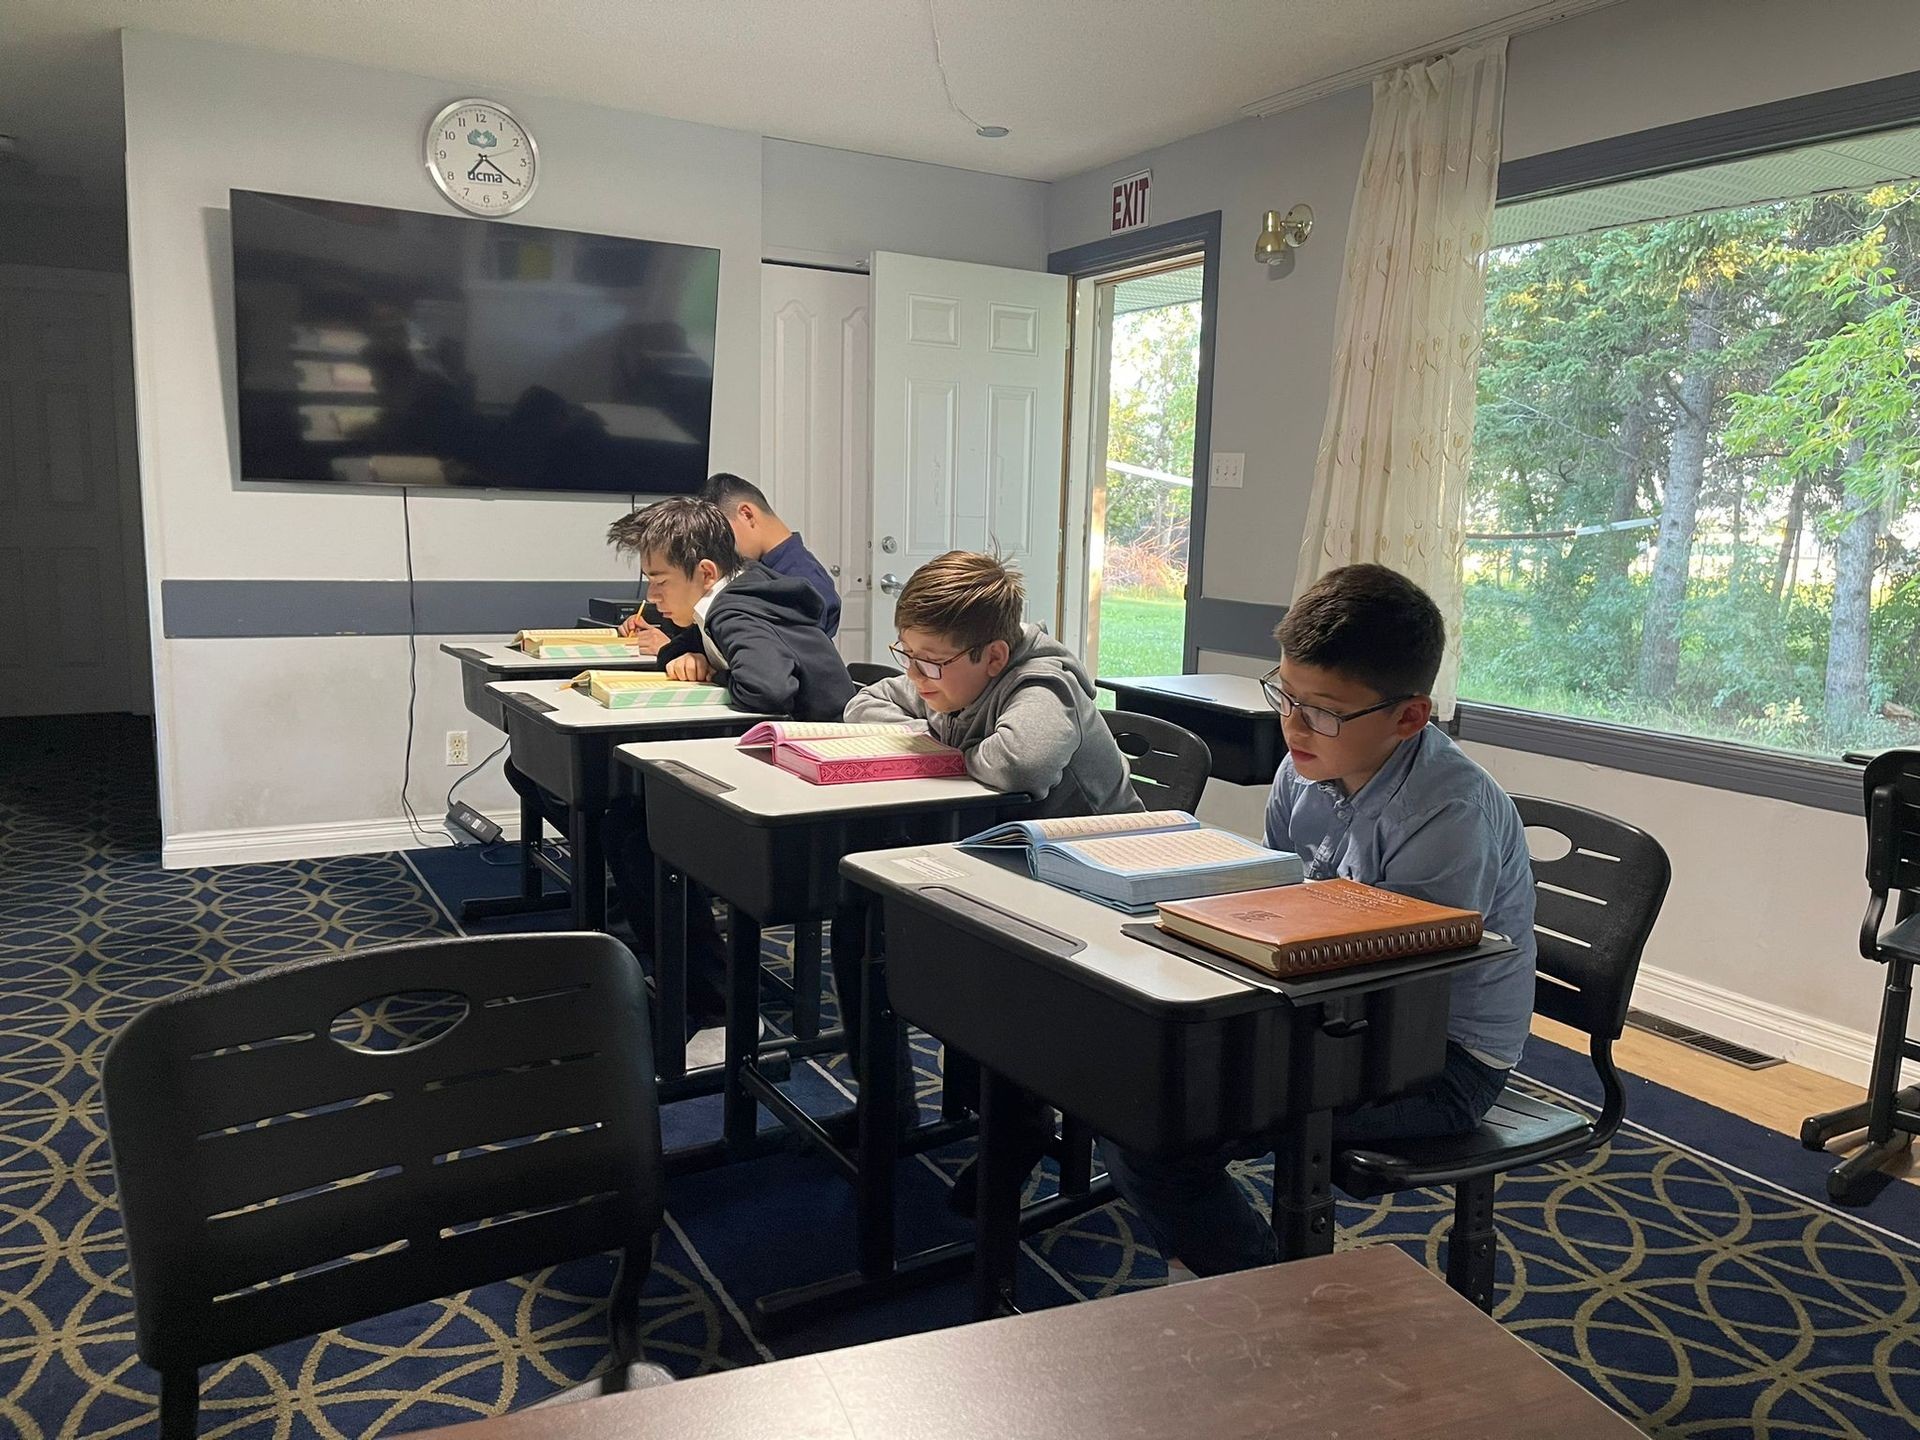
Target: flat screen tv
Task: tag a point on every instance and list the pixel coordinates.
(391, 347)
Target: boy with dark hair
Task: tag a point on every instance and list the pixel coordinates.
(1372, 792)
(758, 534)
(761, 535)
(758, 634)
(1021, 706)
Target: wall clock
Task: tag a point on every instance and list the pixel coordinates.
(481, 158)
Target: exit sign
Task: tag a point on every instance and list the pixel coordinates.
(1130, 201)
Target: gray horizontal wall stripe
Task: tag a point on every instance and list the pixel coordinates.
(1236, 627)
(232, 609)
(1822, 784)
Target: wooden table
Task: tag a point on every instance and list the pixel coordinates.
(1364, 1343)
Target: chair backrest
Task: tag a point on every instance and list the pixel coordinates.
(1169, 764)
(1891, 790)
(1593, 910)
(864, 673)
(288, 1161)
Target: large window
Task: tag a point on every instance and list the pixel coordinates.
(1695, 501)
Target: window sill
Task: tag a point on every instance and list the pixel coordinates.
(1797, 779)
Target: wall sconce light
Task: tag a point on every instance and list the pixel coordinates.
(1282, 234)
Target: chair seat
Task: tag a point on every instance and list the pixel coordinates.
(1903, 941)
(1518, 1130)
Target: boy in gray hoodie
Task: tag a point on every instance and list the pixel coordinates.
(1022, 708)
(1011, 696)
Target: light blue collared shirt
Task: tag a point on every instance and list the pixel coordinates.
(1434, 825)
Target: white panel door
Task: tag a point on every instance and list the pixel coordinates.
(814, 430)
(969, 418)
(70, 585)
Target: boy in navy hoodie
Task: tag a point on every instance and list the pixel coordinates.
(758, 634)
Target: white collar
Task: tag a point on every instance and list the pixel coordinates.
(705, 602)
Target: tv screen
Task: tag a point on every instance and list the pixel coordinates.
(383, 346)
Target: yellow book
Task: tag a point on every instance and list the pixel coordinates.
(630, 690)
(576, 644)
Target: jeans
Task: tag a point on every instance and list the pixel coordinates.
(1196, 1212)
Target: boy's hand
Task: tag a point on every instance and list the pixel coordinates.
(652, 639)
(689, 667)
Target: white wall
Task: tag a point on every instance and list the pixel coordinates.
(834, 207)
(297, 733)
(292, 746)
(1758, 939)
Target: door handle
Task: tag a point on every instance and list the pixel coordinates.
(891, 583)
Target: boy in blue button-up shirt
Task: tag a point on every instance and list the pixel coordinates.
(1372, 792)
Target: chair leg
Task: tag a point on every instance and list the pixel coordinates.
(623, 1314)
(1076, 1156)
(1471, 1246)
(1889, 1049)
(179, 1404)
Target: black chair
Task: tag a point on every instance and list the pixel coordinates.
(1594, 908)
(864, 673)
(333, 1139)
(1169, 764)
(1889, 1114)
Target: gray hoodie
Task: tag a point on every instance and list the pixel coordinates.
(1034, 729)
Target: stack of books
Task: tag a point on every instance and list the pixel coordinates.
(644, 689)
(1132, 862)
(576, 645)
(827, 753)
(1313, 928)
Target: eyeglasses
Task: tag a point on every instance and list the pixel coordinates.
(929, 668)
(1320, 720)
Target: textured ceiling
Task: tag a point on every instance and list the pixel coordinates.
(1079, 82)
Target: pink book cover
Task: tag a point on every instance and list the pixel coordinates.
(836, 762)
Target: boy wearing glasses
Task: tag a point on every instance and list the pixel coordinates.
(1372, 792)
(1007, 693)
(1022, 708)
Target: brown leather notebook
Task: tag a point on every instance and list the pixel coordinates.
(1325, 925)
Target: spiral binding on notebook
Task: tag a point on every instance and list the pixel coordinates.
(1381, 947)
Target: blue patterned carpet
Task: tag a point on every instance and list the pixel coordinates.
(1687, 1274)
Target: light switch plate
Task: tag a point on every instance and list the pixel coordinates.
(1229, 471)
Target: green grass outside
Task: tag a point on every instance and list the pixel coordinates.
(1140, 635)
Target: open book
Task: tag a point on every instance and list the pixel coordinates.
(576, 645)
(644, 689)
(1328, 925)
(828, 753)
(1133, 862)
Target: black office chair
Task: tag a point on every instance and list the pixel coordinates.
(1594, 908)
(864, 673)
(1889, 1114)
(1169, 764)
(295, 1151)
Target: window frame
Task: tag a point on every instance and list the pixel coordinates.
(1874, 105)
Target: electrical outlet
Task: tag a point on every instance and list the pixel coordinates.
(456, 747)
(1229, 471)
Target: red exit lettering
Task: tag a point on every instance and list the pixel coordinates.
(1130, 201)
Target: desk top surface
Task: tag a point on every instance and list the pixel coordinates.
(1236, 693)
(1364, 1342)
(1002, 882)
(503, 659)
(573, 710)
(761, 789)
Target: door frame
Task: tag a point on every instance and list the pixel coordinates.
(1195, 234)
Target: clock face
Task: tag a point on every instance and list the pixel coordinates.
(482, 158)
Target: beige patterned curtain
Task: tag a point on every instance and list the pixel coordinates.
(1390, 479)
